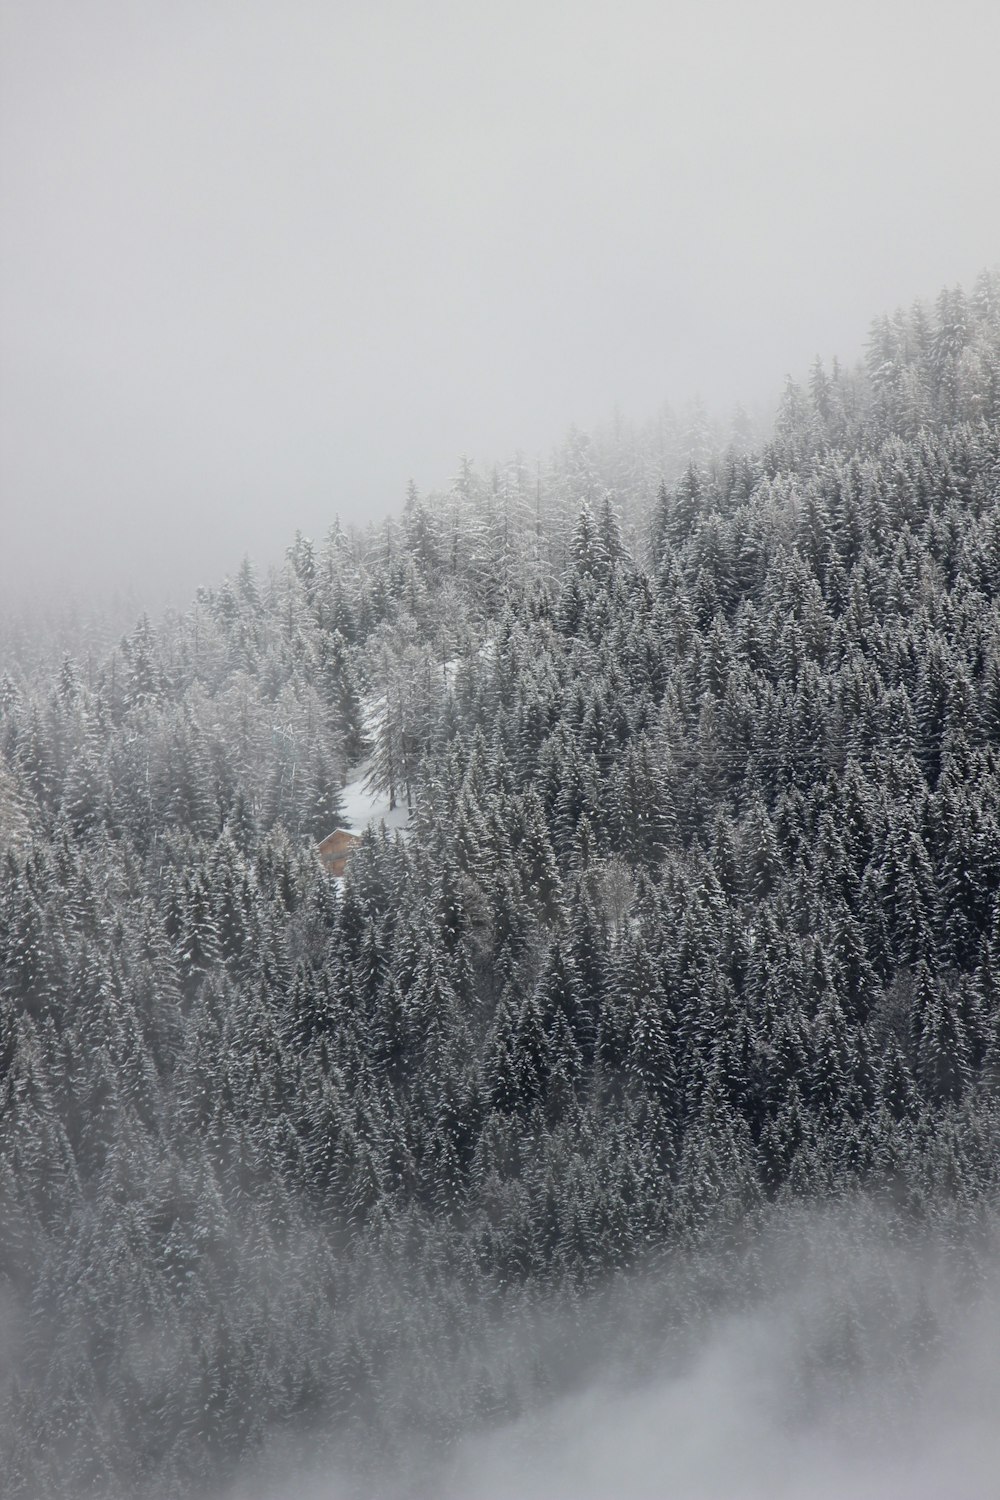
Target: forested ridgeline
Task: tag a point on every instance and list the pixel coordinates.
(696, 915)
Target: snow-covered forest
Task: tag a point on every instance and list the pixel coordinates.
(685, 923)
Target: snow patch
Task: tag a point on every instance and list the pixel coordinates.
(363, 807)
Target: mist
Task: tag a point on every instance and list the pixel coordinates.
(841, 1356)
(733, 1425)
(262, 264)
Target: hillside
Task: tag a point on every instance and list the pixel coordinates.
(688, 918)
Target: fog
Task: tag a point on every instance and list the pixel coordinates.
(262, 263)
(853, 1360)
(733, 1428)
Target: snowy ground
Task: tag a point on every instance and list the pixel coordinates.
(363, 807)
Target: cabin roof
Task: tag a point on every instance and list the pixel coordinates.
(339, 838)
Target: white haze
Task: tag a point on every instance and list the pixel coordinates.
(260, 262)
(862, 1366)
(729, 1430)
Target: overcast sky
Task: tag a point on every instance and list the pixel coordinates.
(262, 261)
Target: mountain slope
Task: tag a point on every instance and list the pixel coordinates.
(696, 917)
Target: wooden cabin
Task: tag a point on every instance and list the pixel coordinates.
(334, 849)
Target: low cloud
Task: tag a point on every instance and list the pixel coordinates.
(754, 1417)
(846, 1363)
